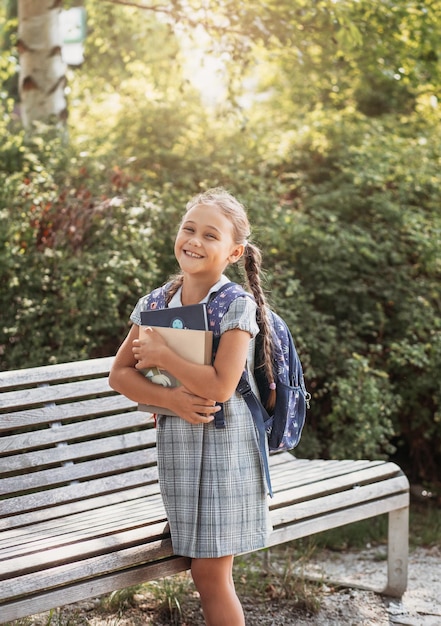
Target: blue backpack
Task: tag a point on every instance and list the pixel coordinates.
(283, 427)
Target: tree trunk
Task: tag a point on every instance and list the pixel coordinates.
(42, 71)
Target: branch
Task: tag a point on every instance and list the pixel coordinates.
(137, 5)
(182, 17)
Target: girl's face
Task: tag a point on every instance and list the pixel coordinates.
(204, 245)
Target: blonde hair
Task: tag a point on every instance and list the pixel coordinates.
(252, 261)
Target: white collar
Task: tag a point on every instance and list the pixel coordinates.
(176, 299)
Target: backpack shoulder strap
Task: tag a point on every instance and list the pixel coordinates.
(219, 303)
(156, 299)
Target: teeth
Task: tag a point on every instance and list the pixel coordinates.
(193, 255)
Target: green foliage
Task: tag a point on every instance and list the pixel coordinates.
(69, 274)
(362, 404)
(356, 254)
(337, 159)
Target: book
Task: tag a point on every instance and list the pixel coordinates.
(193, 345)
(191, 316)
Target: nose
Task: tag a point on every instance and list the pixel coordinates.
(194, 241)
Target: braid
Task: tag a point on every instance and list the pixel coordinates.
(252, 262)
(176, 282)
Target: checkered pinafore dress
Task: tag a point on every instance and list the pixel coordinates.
(211, 480)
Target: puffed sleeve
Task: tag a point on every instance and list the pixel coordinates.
(136, 313)
(242, 315)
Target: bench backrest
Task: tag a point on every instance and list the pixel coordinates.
(66, 437)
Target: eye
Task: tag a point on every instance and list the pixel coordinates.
(211, 236)
(188, 229)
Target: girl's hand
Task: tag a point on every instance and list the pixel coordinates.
(148, 350)
(191, 408)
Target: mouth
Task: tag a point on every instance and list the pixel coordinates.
(192, 255)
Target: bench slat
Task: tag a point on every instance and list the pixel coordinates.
(54, 393)
(50, 373)
(138, 536)
(97, 586)
(87, 428)
(88, 409)
(78, 491)
(305, 528)
(85, 519)
(85, 504)
(91, 566)
(302, 488)
(81, 527)
(78, 451)
(96, 468)
(312, 471)
(320, 504)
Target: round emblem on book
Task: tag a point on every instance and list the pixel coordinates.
(177, 323)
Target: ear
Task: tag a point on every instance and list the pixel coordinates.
(236, 253)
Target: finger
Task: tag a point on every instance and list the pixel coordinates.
(204, 419)
(209, 410)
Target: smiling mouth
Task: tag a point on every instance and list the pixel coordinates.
(193, 255)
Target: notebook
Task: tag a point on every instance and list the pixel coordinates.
(191, 316)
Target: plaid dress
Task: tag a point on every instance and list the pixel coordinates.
(212, 481)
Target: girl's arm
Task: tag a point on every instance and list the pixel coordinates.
(215, 381)
(132, 383)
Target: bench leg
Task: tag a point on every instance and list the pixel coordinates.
(398, 551)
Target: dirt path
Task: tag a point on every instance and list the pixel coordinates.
(420, 605)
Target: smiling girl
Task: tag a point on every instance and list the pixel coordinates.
(211, 480)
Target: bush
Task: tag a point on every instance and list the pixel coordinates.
(73, 262)
(353, 249)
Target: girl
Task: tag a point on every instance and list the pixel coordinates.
(211, 480)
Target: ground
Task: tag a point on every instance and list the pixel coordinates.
(340, 605)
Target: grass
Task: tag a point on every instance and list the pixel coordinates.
(260, 579)
(171, 594)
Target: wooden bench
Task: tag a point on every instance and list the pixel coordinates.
(80, 509)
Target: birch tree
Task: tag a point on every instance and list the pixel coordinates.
(42, 71)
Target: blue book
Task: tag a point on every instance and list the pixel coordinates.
(192, 316)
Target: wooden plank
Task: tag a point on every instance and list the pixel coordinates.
(87, 519)
(335, 519)
(88, 469)
(77, 491)
(70, 527)
(50, 373)
(301, 471)
(86, 504)
(88, 409)
(97, 447)
(111, 523)
(84, 528)
(339, 483)
(93, 588)
(53, 393)
(88, 428)
(322, 505)
(107, 544)
(87, 568)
